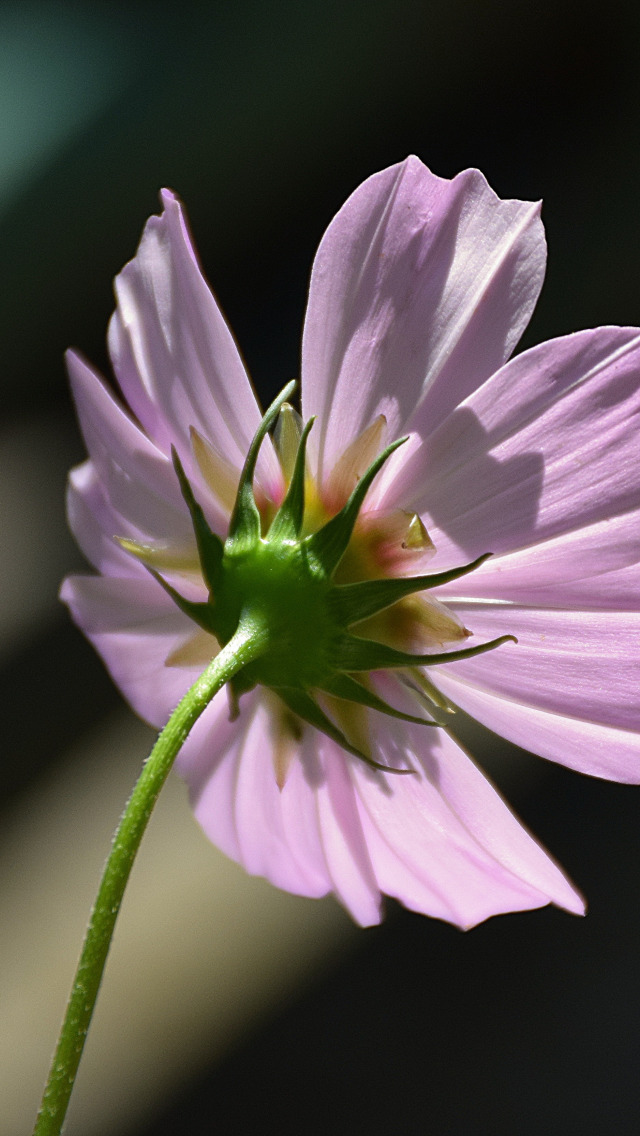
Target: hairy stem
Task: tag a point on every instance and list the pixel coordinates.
(245, 645)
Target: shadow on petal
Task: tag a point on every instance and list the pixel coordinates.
(481, 503)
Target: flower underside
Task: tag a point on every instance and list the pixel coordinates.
(287, 587)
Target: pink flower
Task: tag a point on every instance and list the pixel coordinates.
(420, 291)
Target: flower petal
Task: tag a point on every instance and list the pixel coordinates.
(278, 834)
(548, 445)
(582, 664)
(93, 522)
(419, 285)
(175, 358)
(134, 626)
(601, 751)
(208, 763)
(143, 405)
(343, 841)
(138, 480)
(306, 836)
(445, 843)
(595, 567)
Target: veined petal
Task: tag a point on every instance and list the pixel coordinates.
(345, 849)
(549, 444)
(208, 762)
(148, 412)
(600, 751)
(305, 836)
(278, 833)
(595, 567)
(445, 844)
(173, 353)
(134, 626)
(582, 664)
(94, 522)
(419, 285)
(137, 478)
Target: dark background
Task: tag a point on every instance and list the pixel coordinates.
(264, 116)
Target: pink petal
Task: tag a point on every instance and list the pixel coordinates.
(175, 358)
(138, 480)
(601, 751)
(593, 567)
(445, 843)
(208, 763)
(146, 409)
(305, 837)
(277, 829)
(419, 284)
(93, 523)
(134, 626)
(343, 841)
(585, 664)
(548, 445)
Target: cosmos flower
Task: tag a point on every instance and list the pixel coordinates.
(419, 292)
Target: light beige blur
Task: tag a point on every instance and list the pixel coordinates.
(200, 952)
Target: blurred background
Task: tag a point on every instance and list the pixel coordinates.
(228, 1006)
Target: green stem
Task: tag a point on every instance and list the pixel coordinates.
(245, 645)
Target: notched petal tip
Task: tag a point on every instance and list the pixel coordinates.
(169, 197)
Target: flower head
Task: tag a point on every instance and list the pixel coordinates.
(419, 446)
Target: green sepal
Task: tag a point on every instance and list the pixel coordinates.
(354, 654)
(351, 603)
(244, 526)
(343, 686)
(328, 545)
(301, 703)
(210, 546)
(200, 613)
(287, 523)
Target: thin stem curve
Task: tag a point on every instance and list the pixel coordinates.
(245, 646)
